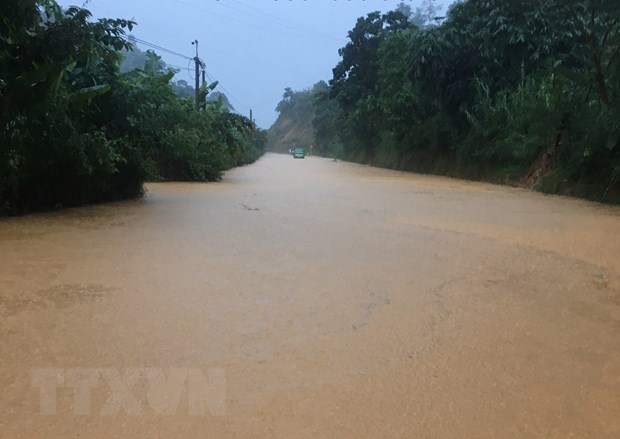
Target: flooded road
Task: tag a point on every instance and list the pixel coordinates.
(312, 298)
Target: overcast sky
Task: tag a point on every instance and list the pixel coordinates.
(255, 48)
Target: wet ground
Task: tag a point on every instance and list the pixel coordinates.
(312, 298)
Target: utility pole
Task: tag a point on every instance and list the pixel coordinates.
(197, 84)
(251, 127)
(203, 104)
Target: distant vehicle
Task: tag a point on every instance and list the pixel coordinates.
(299, 153)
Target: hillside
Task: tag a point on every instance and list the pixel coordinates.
(289, 132)
(293, 128)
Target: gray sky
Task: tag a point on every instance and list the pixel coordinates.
(255, 48)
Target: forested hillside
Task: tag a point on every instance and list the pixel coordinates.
(74, 129)
(515, 92)
(293, 128)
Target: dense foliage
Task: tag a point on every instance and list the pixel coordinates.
(510, 91)
(293, 128)
(74, 129)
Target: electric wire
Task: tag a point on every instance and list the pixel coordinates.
(277, 20)
(134, 39)
(280, 31)
(131, 38)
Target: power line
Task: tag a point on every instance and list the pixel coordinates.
(140, 23)
(212, 80)
(279, 20)
(226, 92)
(177, 67)
(143, 42)
(131, 38)
(249, 23)
(210, 77)
(232, 55)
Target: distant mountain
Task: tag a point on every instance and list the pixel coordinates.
(135, 58)
(215, 95)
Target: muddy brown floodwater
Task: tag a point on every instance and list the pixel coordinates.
(312, 298)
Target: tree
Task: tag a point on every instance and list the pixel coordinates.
(326, 122)
(355, 78)
(75, 130)
(497, 88)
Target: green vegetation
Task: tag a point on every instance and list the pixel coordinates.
(515, 92)
(293, 128)
(75, 130)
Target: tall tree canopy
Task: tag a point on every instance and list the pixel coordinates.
(501, 90)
